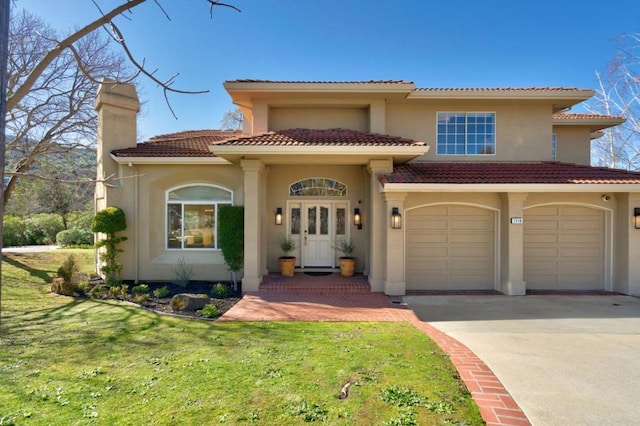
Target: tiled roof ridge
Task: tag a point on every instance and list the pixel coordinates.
(574, 115)
(508, 172)
(309, 136)
(499, 89)
(249, 80)
(185, 134)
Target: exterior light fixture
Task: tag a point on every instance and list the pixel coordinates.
(396, 218)
(357, 218)
(279, 216)
(636, 217)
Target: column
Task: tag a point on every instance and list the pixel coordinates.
(627, 248)
(378, 223)
(512, 248)
(252, 278)
(394, 282)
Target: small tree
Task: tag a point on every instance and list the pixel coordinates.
(231, 232)
(109, 221)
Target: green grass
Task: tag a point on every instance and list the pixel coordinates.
(80, 361)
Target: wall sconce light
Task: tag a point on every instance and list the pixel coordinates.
(396, 218)
(636, 217)
(357, 218)
(279, 216)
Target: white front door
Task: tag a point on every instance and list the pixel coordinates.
(317, 229)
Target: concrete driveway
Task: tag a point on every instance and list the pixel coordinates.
(566, 360)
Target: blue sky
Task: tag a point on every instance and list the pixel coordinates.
(464, 43)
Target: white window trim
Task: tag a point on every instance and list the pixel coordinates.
(495, 133)
(554, 146)
(193, 203)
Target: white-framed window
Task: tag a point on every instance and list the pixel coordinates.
(554, 145)
(192, 216)
(466, 133)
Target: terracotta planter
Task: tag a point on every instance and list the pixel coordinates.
(347, 266)
(287, 266)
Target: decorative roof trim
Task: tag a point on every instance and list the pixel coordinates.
(510, 187)
(170, 160)
(504, 93)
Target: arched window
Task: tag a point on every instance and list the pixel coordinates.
(192, 213)
(318, 186)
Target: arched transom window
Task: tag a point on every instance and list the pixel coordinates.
(192, 213)
(318, 186)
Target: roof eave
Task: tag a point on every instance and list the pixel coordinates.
(318, 87)
(594, 124)
(169, 160)
(510, 187)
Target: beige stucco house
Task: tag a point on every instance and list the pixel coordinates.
(440, 189)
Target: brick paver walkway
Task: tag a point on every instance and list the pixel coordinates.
(334, 298)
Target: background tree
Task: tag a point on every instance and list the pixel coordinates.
(57, 115)
(618, 93)
(8, 100)
(232, 119)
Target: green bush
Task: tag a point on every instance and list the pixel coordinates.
(80, 220)
(109, 221)
(140, 289)
(14, 232)
(209, 311)
(42, 228)
(69, 268)
(74, 237)
(161, 292)
(220, 291)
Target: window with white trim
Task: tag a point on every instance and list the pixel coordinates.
(466, 133)
(554, 145)
(192, 213)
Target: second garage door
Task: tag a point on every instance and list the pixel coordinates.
(450, 247)
(564, 248)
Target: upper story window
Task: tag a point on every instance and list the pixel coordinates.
(553, 146)
(192, 213)
(466, 133)
(318, 186)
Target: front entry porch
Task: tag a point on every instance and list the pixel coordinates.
(303, 283)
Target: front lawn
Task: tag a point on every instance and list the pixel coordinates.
(83, 361)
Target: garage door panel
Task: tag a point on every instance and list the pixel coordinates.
(427, 225)
(539, 225)
(581, 238)
(541, 238)
(593, 253)
(427, 252)
(458, 255)
(571, 257)
(543, 252)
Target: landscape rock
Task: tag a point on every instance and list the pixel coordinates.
(188, 302)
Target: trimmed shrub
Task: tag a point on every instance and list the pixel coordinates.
(109, 221)
(14, 232)
(220, 291)
(43, 228)
(74, 237)
(209, 311)
(140, 289)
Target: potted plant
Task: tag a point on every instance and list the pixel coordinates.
(347, 261)
(287, 263)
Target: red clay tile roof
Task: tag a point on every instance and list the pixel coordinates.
(508, 173)
(499, 89)
(572, 116)
(329, 137)
(193, 143)
(321, 82)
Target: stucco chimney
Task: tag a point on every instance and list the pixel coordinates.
(117, 106)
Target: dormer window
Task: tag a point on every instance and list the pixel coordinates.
(466, 133)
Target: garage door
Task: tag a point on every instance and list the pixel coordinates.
(450, 247)
(564, 248)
